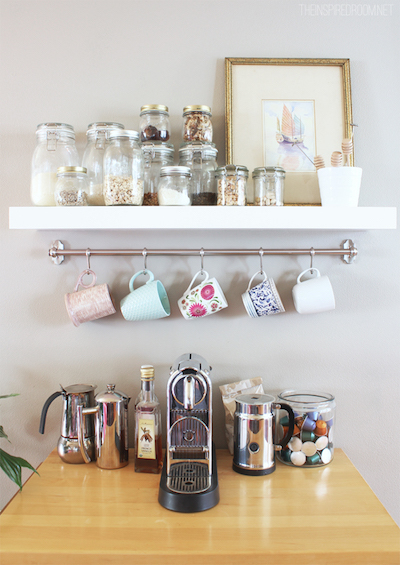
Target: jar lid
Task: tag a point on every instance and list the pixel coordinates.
(61, 170)
(260, 171)
(231, 170)
(55, 127)
(150, 107)
(103, 126)
(200, 108)
(159, 147)
(206, 148)
(174, 171)
(128, 133)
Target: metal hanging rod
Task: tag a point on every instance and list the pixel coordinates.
(58, 253)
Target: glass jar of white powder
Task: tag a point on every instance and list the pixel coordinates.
(55, 147)
(71, 187)
(97, 141)
(174, 187)
(123, 169)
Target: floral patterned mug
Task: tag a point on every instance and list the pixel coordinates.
(263, 299)
(206, 298)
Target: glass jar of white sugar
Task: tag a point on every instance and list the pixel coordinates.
(173, 188)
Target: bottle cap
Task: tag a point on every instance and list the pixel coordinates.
(147, 372)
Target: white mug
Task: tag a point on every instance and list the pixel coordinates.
(313, 295)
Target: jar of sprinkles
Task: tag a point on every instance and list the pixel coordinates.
(311, 444)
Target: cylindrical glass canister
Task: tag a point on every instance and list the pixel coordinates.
(154, 123)
(71, 187)
(157, 154)
(97, 140)
(269, 186)
(201, 158)
(197, 125)
(123, 169)
(231, 185)
(55, 147)
(311, 444)
(173, 188)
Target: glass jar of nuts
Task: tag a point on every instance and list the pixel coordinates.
(197, 125)
(269, 185)
(154, 123)
(72, 187)
(201, 158)
(173, 188)
(231, 185)
(156, 155)
(123, 169)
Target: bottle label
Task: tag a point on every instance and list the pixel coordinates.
(146, 439)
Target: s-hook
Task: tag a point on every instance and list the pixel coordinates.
(312, 253)
(144, 253)
(261, 253)
(88, 258)
(201, 261)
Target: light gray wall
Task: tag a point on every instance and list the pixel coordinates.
(84, 61)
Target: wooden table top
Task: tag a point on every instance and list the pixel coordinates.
(81, 514)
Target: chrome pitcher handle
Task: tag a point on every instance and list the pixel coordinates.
(81, 411)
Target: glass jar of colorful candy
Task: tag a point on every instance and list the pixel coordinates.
(311, 444)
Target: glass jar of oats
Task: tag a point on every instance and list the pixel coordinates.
(197, 125)
(269, 185)
(123, 169)
(71, 187)
(231, 185)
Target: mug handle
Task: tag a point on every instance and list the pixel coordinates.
(254, 276)
(87, 272)
(306, 271)
(194, 278)
(289, 434)
(151, 279)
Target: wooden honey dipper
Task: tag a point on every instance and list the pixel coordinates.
(347, 149)
(319, 162)
(336, 159)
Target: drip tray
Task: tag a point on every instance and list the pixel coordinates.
(189, 477)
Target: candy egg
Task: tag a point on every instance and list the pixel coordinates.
(298, 458)
(320, 428)
(309, 425)
(295, 444)
(326, 455)
(307, 436)
(309, 448)
(321, 443)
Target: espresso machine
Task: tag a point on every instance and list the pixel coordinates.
(189, 480)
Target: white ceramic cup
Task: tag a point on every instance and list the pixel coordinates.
(91, 303)
(262, 299)
(313, 295)
(204, 299)
(339, 186)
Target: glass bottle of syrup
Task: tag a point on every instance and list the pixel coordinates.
(148, 447)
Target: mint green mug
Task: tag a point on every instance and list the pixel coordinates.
(148, 302)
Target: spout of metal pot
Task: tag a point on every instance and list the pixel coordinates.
(81, 412)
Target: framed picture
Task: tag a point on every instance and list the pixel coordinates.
(284, 112)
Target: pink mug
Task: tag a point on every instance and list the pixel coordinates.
(92, 303)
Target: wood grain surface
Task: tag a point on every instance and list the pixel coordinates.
(81, 514)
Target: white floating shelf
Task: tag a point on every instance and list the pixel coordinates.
(202, 217)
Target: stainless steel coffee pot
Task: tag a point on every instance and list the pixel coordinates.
(253, 438)
(111, 429)
(68, 446)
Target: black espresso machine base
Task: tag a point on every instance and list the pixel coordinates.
(189, 502)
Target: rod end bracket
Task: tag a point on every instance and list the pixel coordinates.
(56, 246)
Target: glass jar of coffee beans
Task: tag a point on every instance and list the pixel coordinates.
(157, 154)
(201, 158)
(154, 123)
(231, 185)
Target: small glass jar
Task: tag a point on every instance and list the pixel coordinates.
(156, 155)
(201, 158)
(97, 140)
(154, 123)
(71, 187)
(55, 147)
(231, 185)
(174, 186)
(197, 125)
(123, 169)
(311, 444)
(269, 186)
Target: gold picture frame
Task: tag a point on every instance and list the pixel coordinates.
(251, 84)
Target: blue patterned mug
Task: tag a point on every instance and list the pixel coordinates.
(262, 299)
(148, 302)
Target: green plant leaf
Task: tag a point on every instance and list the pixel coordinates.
(8, 395)
(12, 467)
(3, 434)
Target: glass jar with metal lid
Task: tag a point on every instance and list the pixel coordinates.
(269, 186)
(311, 444)
(71, 187)
(55, 147)
(197, 125)
(157, 154)
(154, 123)
(97, 139)
(231, 185)
(201, 158)
(123, 169)
(174, 188)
